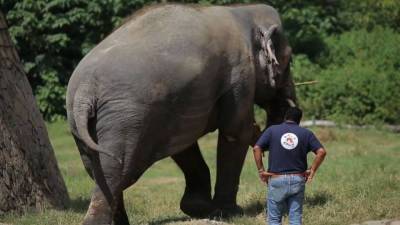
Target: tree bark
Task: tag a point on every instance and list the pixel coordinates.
(29, 174)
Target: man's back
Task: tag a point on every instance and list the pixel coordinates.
(288, 145)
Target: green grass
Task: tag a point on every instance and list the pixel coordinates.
(358, 181)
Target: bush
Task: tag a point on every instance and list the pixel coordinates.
(304, 70)
(52, 36)
(359, 78)
(367, 14)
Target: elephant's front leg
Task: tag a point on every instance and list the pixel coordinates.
(235, 134)
(230, 157)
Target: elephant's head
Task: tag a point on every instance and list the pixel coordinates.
(275, 90)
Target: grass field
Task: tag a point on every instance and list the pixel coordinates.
(359, 181)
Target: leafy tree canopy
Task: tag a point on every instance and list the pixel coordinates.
(52, 36)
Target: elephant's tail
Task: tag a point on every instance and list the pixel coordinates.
(83, 107)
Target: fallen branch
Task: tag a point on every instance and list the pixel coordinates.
(306, 83)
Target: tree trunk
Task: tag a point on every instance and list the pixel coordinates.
(29, 174)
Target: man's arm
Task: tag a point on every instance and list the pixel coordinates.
(262, 143)
(258, 154)
(319, 158)
(256, 134)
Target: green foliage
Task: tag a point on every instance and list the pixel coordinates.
(367, 14)
(304, 70)
(307, 22)
(52, 36)
(360, 82)
(50, 94)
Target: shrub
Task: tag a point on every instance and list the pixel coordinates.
(359, 78)
(52, 36)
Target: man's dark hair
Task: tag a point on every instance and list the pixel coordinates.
(294, 114)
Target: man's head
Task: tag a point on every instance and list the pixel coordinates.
(294, 114)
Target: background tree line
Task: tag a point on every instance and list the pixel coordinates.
(350, 46)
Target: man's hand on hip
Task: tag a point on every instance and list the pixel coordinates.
(264, 176)
(309, 174)
(320, 156)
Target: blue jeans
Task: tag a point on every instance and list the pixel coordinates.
(285, 193)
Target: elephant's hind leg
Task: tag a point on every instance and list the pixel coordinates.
(106, 198)
(120, 217)
(196, 200)
(120, 130)
(100, 211)
(106, 206)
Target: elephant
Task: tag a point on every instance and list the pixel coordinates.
(166, 77)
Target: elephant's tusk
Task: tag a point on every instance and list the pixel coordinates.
(271, 53)
(290, 102)
(271, 74)
(267, 34)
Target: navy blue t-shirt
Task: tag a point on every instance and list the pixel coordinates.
(288, 145)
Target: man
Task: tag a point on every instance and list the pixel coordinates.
(288, 145)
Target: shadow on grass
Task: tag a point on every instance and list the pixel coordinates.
(254, 208)
(317, 199)
(79, 205)
(251, 210)
(313, 200)
(170, 220)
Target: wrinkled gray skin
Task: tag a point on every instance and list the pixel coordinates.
(162, 80)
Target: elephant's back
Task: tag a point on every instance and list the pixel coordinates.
(161, 52)
(163, 27)
(175, 30)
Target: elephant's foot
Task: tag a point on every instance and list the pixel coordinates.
(120, 216)
(98, 213)
(226, 211)
(121, 220)
(196, 204)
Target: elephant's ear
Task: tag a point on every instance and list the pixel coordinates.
(266, 52)
(274, 53)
